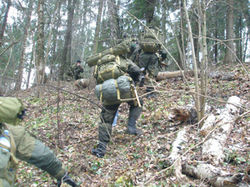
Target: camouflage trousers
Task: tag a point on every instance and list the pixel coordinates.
(107, 117)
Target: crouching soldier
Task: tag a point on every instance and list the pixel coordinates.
(115, 76)
(16, 143)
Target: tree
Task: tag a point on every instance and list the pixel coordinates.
(66, 55)
(98, 25)
(2, 28)
(230, 47)
(114, 27)
(40, 61)
(23, 48)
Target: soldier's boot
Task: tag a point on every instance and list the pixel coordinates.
(151, 92)
(105, 130)
(134, 113)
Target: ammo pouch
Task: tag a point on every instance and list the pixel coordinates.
(109, 67)
(8, 162)
(114, 91)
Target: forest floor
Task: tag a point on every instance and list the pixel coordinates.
(130, 160)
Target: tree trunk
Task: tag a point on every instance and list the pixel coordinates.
(150, 9)
(4, 22)
(113, 21)
(230, 47)
(40, 66)
(197, 91)
(31, 62)
(66, 56)
(54, 43)
(164, 21)
(23, 48)
(98, 26)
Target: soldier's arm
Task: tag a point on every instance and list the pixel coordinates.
(35, 152)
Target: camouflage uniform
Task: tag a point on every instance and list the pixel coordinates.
(109, 111)
(26, 148)
(75, 72)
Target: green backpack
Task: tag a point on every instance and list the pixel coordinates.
(10, 109)
(149, 40)
(110, 67)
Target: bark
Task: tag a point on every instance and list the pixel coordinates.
(113, 22)
(183, 53)
(4, 22)
(66, 56)
(204, 61)
(98, 26)
(230, 47)
(23, 48)
(40, 62)
(213, 148)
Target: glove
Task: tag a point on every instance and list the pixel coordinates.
(66, 179)
(22, 114)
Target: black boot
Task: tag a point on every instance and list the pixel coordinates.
(151, 92)
(105, 130)
(99, 151)
(134, 113)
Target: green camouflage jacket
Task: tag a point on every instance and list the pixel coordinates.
(16, 143)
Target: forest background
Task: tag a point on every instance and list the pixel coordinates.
(54, 34)
(40, 40)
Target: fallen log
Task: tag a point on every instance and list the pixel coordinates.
(213, 148)
(167, 74)
(215, 176)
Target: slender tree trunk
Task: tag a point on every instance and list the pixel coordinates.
(98, 26)
(3, 25)
(230, 48)
(40, 61)
(164, 21)
(204, 61)
(31, 62)
(197, 91)
(66, 56)
(23, 48)
(182, 36)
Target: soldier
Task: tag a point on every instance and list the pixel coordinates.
(15, 142)
(148, 55)
(75, 71)
(110, 109)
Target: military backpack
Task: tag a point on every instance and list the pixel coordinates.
(149, 40)
(110, 67)
(10, 110)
